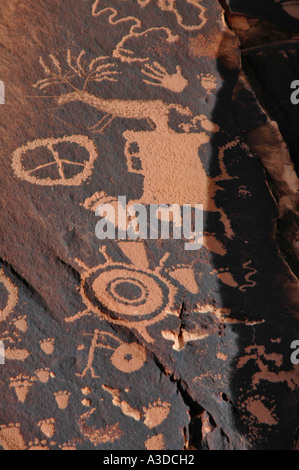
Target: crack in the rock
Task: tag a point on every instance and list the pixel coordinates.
(193, 437)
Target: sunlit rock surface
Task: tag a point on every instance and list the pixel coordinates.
(141, 344)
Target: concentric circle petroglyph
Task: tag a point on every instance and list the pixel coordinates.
(21, 157)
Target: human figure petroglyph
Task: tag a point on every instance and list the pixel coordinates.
(161, 148)
(126, 357)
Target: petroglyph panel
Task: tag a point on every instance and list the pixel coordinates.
(140, 343)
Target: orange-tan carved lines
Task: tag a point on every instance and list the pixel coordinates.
(181, 339)
(250, 282)
(93, 347)
(110, 433)
(135, 298)
(22, 384)
(227, 278)
(14, 354)
(21, 323)
(170, 180)
(170, 5)
(38, 444)
(126, 409)
(155, 442)
(199, 121)
(99, 197)
(126, 357)
(156, 413)
(112, 17)
(126, 54)
(222, 315)
(143, 3)
(157, 75)
(47, 427)
(12, 296)
(185, 276)
(98, 69)
(265, 371)
(47, 345)
(153, 415)
(155, 111)
(26, 169)
(208, 82)
(122, 51)
(43, 375)
(11, 437)
(62, 399)
(165, 6)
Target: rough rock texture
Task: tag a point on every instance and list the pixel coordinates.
(122, 344)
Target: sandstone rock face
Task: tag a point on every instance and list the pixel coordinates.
(141, 344)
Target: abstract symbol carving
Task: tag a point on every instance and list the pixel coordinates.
(126, 357)
(22, 385)
(69, 170)
(99, 436)
(292, 8)
(96, 70)
(126, 295)
(12, 296)
(252, 272)
(133, 296)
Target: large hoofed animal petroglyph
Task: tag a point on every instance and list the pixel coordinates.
(161, 149)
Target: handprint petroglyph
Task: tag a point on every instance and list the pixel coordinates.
(157, 76)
